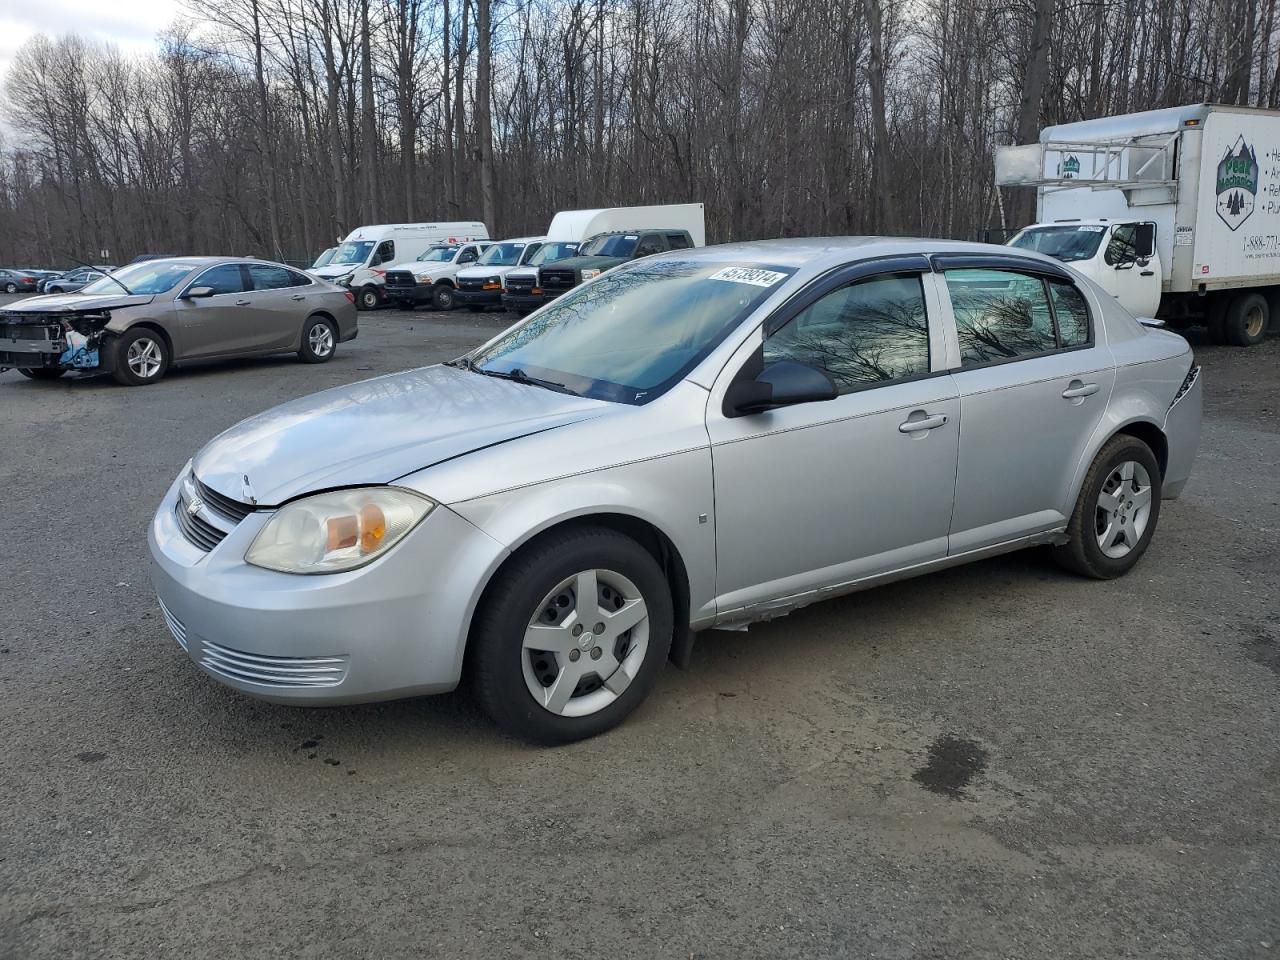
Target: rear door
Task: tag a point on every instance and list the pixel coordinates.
(280, 301)
(221, 324)
(1033, 382)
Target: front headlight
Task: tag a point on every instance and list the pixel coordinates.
(345, 279)
(337, 531)
(588, 274)
(424, 280)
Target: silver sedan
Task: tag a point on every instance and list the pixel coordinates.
(700, 439)
(138, 321)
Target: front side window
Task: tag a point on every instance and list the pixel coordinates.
(468, 255)
(1123, 246)
(632, 334)
(223, 279)
(649, 245)
(150, 278)
(385, 254)
(1003, 314)
(869, 332)
(271, 277)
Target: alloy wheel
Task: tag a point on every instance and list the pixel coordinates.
(1123, 509)
(321, 340)
(585, 643)
(144, 358)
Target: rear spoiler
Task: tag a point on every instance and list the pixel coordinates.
(1150, 322)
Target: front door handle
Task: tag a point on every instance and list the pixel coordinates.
(1147, 273)
(298, 296)
(919, 422)
(1078, 390)
(242, 303)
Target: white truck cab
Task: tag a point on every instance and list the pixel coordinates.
(482, 285)
(363, 258)
(1120, 257)
(431, 276)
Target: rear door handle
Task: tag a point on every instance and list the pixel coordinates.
(298, 296)
(1078, 390)
(242, 303)
(919, 421)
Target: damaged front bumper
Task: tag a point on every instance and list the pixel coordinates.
(72, 341)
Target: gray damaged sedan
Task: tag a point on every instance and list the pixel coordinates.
(699, 439)
(138, 321)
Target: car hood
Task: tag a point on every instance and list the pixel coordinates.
(78, 303)
(480, 273)
(586, 263)
(331, 271)
(377, 431)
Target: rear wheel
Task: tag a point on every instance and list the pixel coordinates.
(1116, 513)
(141, 357)
(443, 297)
(319, 341)
(571, 636)
(1246, 319)
(41, 373)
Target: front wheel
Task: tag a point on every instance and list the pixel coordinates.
(319, 341)
(571, 635)
(443, 297)
(42, 373)
(1116, 513)
(10, 288)
(141, 357)
(368, 298)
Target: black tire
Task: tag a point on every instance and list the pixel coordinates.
(313, 349)
(515, 596)
(10, 288)
(1246, 319)
(52, 289)
(120, 359)
(42, 373)
(1213, 322)
(443, 297)
(1083, 554)
(368, 298)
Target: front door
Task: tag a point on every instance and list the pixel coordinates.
(1130, 271)
(224, 323)
(821, 494)
(1033, 384)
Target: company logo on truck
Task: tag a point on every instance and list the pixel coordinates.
(1070, 166)
(1237, 184)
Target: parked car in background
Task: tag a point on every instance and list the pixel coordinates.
(144, 257)
(76, 279)
(142, 319)
(561, 507)
(18, 281)
(362, 260)
(323, 259)
(521, 293)
(431, 277)
(481, 286)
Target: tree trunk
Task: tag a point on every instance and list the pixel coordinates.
(484, 119)
(881, 178)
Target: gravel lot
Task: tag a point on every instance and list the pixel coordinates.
(995, 761)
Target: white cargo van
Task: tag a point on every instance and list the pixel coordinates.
(570, 228)
(1174, 212)
(361, 260)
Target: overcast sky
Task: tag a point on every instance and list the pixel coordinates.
(131, 25)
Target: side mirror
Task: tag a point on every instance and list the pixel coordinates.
(782, 384)
(198, 293)
(1145, 241)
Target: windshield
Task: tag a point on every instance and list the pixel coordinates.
(632, 334)
(351, 253)
(324, 258)
(502, 255)
(150, 277)
(610, 245)
(438, 254)
(552, 251)
(1067, 242)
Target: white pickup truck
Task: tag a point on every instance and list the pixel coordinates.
(1176, 212)
(431, 278)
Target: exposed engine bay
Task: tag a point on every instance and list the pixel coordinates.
(72, 339)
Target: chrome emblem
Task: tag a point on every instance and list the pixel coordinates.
(194, 507)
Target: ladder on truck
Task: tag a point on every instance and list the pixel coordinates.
(1143, 167)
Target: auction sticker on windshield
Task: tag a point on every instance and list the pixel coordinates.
(752, 275)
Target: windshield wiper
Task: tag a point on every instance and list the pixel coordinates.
(519, 376)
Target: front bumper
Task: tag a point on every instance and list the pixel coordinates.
(1182, 433)
(394, 628)
(479, 298)
(419, 293)
(523, 302)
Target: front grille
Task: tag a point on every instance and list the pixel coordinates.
(30, 331)
(557, 279)
(231, 509)
(196, 529)
(273, 671)
(519, 284)
(176, 626)
(401, 278)
(473, 286)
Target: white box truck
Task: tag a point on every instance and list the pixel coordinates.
(361, 260)
(1175, 212)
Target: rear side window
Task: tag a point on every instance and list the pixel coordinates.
(871, 332)
(649, 244)
(223, 279)
(1000, 315)
(266, 277)
(678, 241)
(1072, 314)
